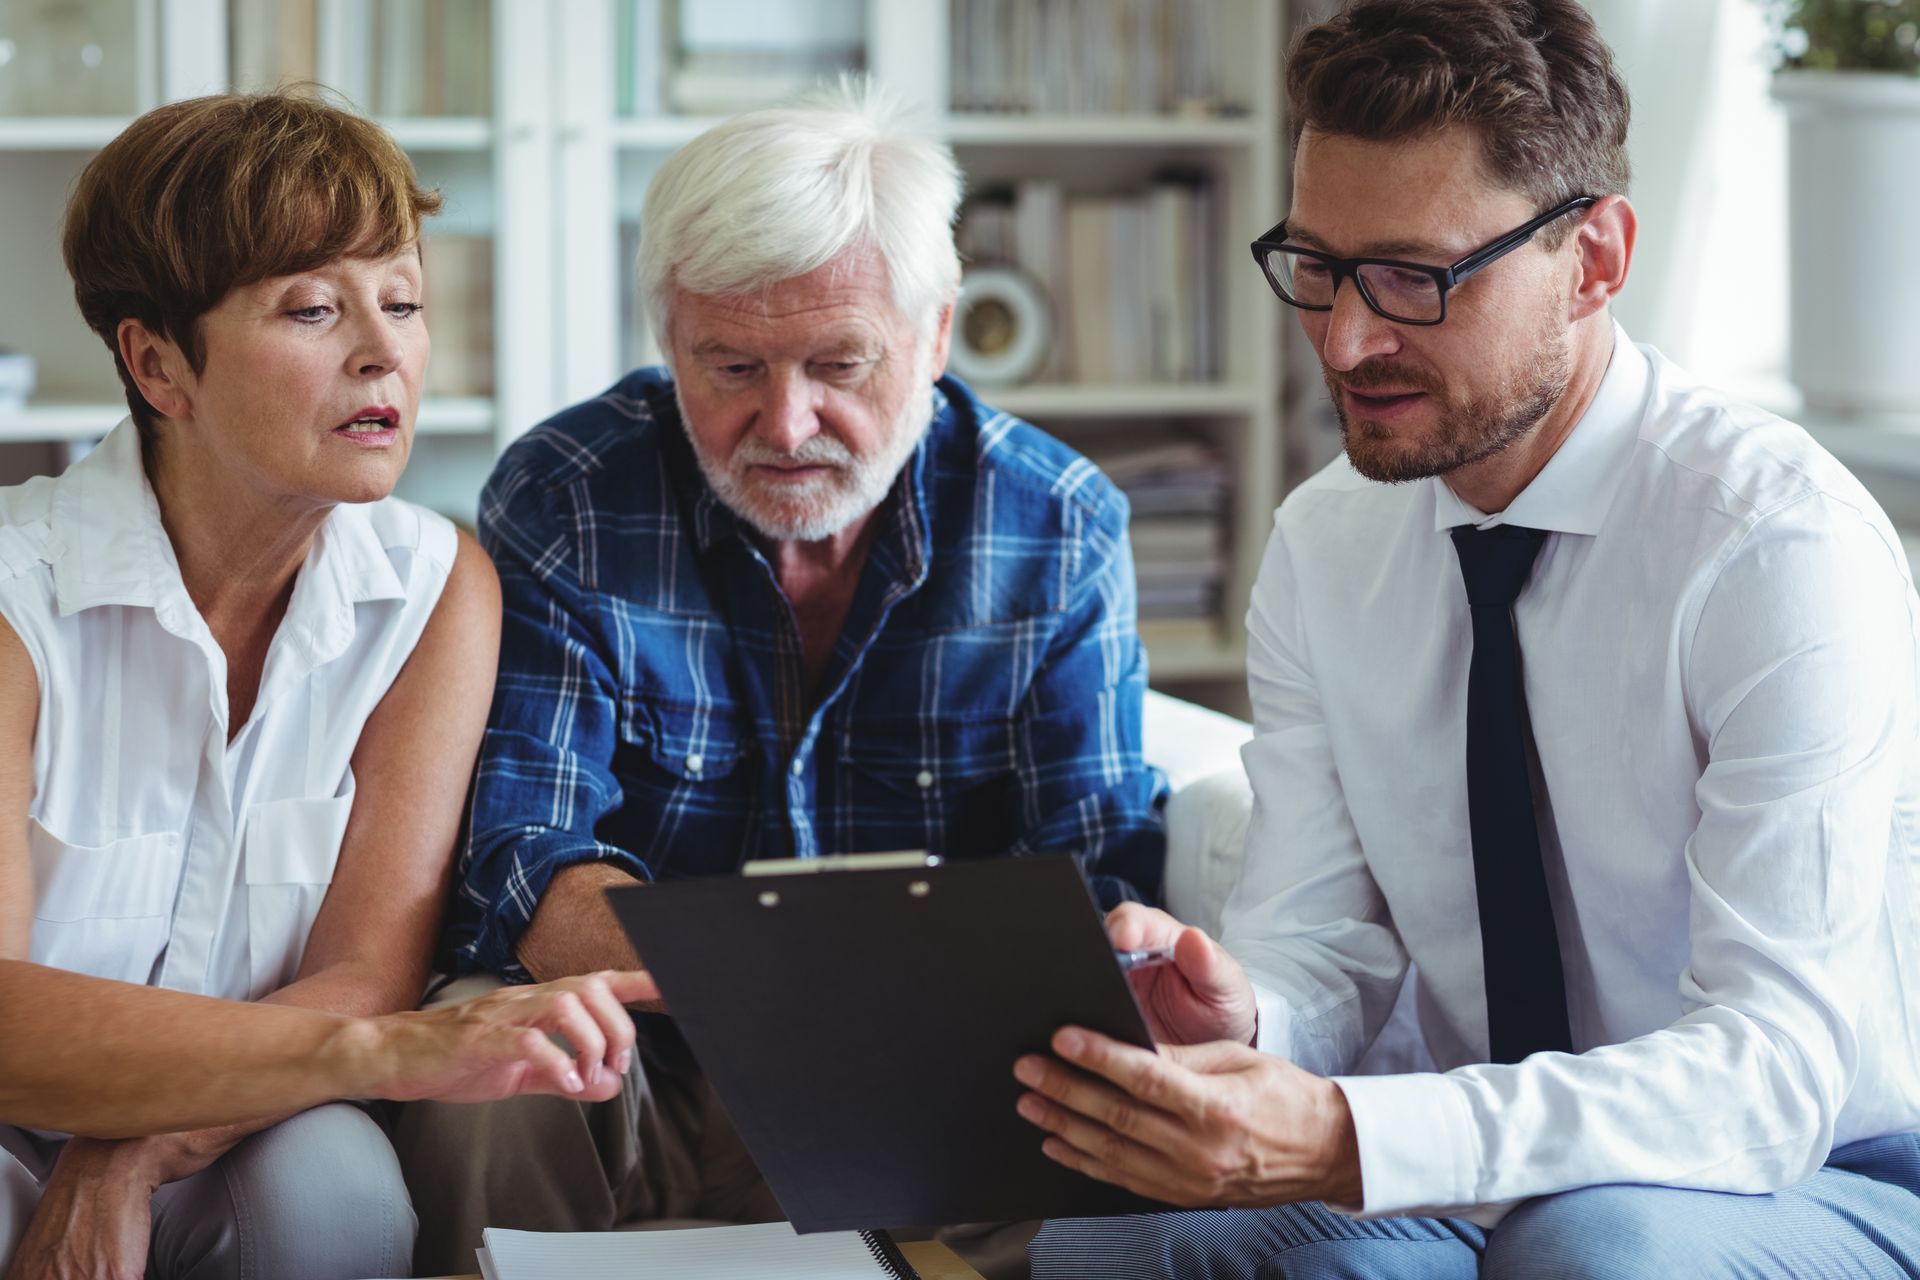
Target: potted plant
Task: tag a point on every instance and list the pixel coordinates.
(1849, 77)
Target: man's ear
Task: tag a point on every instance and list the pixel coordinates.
(159, 368)
(942, 340)
(1602, 254)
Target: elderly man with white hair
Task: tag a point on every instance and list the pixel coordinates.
(795, 593)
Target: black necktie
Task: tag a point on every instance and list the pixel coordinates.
(1526, 994)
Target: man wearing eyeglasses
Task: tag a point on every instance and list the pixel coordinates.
(1582, 689)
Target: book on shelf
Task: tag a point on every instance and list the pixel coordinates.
(1086, 57)
(640, 76)
(271, 42)
(432, 58)
(458, 275)
(1090, 234)
(400, 70)
(394, 58)
(1039, 249)
(1129, 277)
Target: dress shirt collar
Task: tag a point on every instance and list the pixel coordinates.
(114, 550)
(1574, 490)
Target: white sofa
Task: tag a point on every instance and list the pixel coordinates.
(1208, 804)
(1208, 807)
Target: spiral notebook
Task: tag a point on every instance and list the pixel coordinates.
(706, 1253)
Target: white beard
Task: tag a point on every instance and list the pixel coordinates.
(818, 508)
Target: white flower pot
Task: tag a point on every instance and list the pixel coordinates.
(1853, 208)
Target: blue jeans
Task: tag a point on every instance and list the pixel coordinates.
(1858, 1218)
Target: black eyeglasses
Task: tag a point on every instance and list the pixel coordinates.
(1404, 292)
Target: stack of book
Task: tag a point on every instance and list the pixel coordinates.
(719, 57)
(1178, 489)
(1130, 278)
(1088, 56)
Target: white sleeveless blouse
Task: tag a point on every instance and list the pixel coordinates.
(161, 854)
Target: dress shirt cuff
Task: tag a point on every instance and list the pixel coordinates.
(1417, 1144)
(1273, 1029)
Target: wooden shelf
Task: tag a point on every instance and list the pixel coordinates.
(1100, 130)
(667, 132)
(441, 133)
(455, 415)
(51, 422)
(60, 133)
(43, 423)
(1122, 400)
(90, 133)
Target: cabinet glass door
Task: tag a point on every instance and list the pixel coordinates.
(77, 58)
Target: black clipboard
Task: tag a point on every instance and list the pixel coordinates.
(861, 1028)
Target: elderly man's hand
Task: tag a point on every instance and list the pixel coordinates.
(1217, 1125)
(1203, 995)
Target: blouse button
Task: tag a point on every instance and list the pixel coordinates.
(696, 762)
(925, 779)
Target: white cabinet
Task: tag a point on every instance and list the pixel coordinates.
(543, 154)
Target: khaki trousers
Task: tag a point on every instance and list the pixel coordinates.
(661, 1153)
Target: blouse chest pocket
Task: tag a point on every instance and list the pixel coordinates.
(290, 848)
(103, 910)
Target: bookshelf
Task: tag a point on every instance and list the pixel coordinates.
(1235, 142)
(541, 128)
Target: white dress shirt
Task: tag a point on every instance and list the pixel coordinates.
(1719, 647)
(161, 853)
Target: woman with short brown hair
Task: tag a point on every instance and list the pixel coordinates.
(241, 686)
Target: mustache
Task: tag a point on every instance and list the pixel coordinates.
(1376, 374)
(816, 451)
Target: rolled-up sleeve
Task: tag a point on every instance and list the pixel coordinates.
(1081, 784)
(544, 779)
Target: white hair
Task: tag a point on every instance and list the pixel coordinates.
(774, 194)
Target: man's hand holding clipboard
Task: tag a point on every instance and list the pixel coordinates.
(1208, 1121)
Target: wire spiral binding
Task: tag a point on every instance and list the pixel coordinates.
(888, 1255)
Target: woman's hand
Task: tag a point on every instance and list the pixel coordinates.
(1204, 995)
(498, 1045)
(94, 1220)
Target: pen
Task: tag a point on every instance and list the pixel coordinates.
(1131, 960)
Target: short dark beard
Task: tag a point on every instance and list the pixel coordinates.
(1465, 433)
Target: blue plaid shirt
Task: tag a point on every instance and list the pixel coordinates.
(983, 699)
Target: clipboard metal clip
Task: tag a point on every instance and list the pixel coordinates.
(909, 860)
